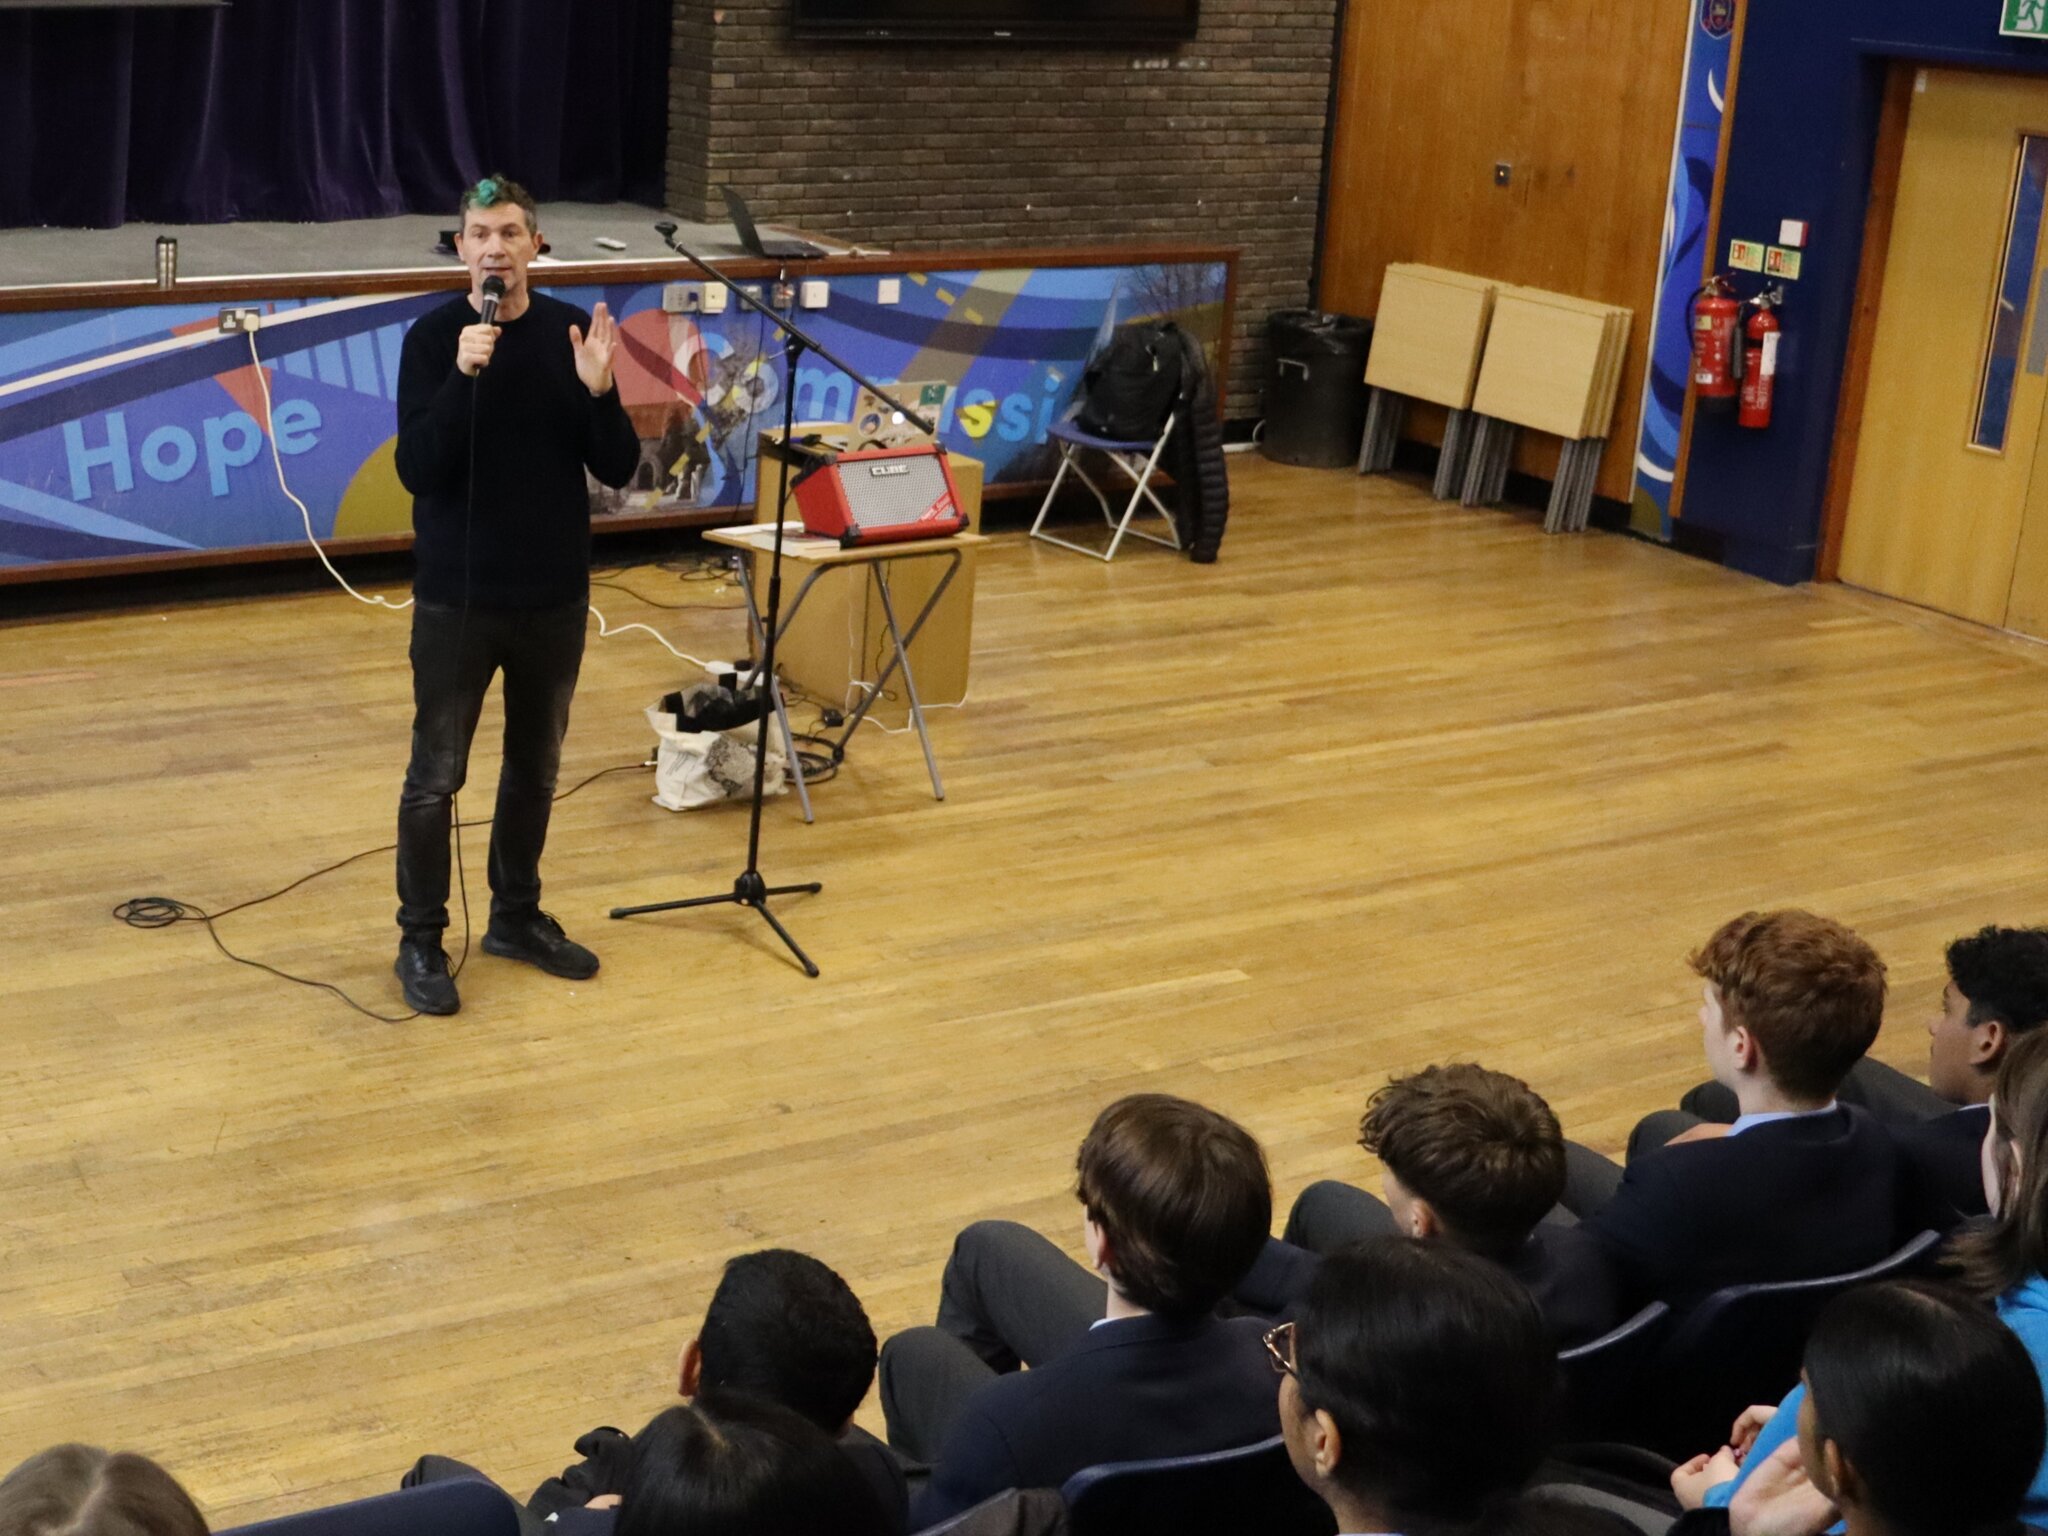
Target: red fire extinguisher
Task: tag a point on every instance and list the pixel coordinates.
(1760, 380)
(1715, 315)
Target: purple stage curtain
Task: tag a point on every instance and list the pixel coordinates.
(311, 110)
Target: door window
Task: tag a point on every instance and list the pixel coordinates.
(2002, 350)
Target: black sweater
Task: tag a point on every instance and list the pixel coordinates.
(537, 428)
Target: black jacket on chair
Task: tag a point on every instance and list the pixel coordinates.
(1789, 1199)
(1195, 456)
(1132, 1389)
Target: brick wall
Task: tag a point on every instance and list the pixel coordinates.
(929, 146)
(690, 103)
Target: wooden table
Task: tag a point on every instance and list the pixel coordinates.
(816, 558)
(842, 639)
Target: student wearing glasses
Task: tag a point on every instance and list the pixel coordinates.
(1415, 1395)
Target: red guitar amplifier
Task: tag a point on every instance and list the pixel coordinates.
(879, 494)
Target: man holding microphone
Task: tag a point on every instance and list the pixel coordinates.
(505, 397)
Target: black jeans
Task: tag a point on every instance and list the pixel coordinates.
(454, 657)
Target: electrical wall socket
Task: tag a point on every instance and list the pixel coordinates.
(240, 317)
(693, 298)
(889, 291)
(817, 293)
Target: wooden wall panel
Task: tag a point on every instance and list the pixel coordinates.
(1580, 97)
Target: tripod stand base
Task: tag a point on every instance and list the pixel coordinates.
(749, 890)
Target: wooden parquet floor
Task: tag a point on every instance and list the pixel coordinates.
(1392, 783)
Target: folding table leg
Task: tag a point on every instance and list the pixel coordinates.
(1450, 464)
(924, 738)
(1383, 416)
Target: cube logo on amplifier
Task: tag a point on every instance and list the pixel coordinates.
(906, 493)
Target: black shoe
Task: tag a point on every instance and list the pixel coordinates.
(538, 939)
(422, 968)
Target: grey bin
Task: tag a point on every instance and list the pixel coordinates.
(1315, 389)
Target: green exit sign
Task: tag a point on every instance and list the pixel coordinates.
(2025, 18)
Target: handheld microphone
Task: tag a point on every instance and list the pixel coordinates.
(494, 290)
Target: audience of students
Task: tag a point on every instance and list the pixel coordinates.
(1413, 1381)
(1128, 1363)
(1997, 990)
(81, 1490)
(1799, 1186)
(1469, 1157)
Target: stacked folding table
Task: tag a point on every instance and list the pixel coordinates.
(1503, 359)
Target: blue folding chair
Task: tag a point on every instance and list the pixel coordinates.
(1222, 1493)
(458, 1507)
(1137, 458)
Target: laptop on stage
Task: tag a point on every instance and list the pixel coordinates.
(750, 237)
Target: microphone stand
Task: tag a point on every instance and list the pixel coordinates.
(751, 888)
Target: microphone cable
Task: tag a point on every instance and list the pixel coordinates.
(164, 911)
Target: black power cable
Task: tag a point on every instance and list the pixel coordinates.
(164, 911)
(619, 586)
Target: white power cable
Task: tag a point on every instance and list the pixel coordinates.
(604, 632)
(604, 629)
(305, 514)
(904, 730)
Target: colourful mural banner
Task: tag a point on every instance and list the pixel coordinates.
(1695, 153)
(144, 431)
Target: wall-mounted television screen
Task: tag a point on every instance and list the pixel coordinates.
(1073, 21)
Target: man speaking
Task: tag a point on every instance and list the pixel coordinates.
(505, 397)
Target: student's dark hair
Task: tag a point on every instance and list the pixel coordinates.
(2004, 974)
(1807, 987)
(733, 1465)
(1991, 1258)
(1437, 1370)
(1933, 1400)
(493, 190)
(1183, 1196)
(1481, 1147)
(785, 1327)
(81, 1490)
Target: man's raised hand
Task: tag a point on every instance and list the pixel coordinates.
(594, 352)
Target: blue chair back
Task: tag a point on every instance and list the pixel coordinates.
(1742, 1345)
(459, 1507)
(1223, 1493)
(1596, 1378)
